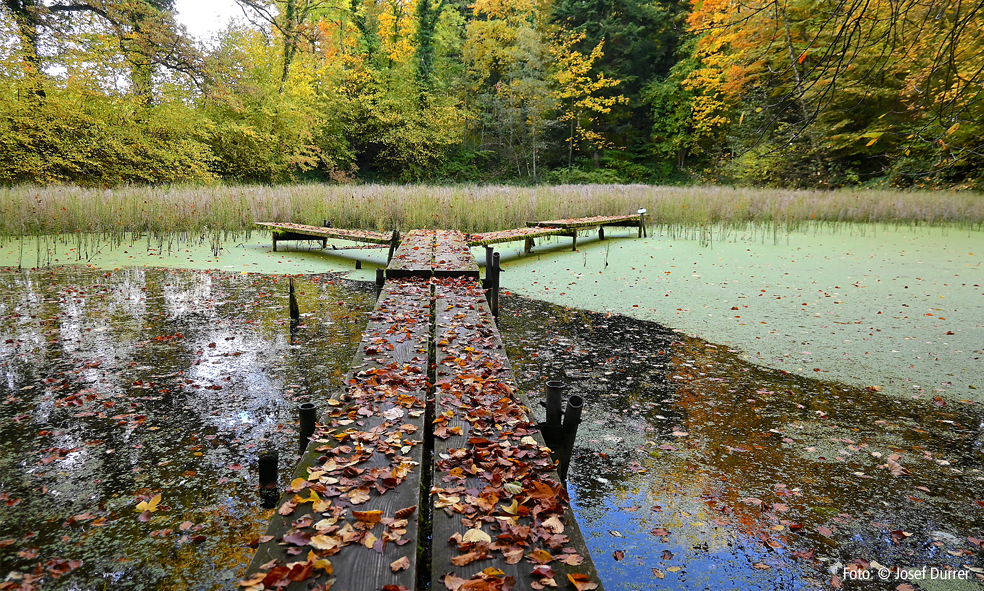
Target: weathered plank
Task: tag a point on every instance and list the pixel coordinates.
(497, 500)
(452, 257)
(489, 238)
(589, 222)
(287, 231)
(414, 257)
(354, 499)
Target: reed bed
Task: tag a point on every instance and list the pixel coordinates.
(216, 213)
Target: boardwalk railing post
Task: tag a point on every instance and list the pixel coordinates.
(495, 284)
(642, 222)
(380, 280)
(307, 414)
(572, 418)
(268, 469)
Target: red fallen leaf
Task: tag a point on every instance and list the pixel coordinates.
(976, 542)
(186, 525)
(659, 532)
(145, 516)
(804, 554)
(618, 555)
(836, 583)
(236, 466)
(825, 531)
(761, 566)
(543, 571)
(667, 555)
(275, 576)
(199, 539)
(468, 558)
(301, 572)
(513, 555)
(395, 588)
(979, 503)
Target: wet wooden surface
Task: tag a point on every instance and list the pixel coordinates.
(497, 500)
(365, 457)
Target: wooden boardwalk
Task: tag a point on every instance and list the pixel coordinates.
(426, 470)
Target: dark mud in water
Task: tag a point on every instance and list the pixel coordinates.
(119, 386)
(694, 470)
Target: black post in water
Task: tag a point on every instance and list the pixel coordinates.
(358, 264)
(572, 418)
(555, 400)
(295, 312)
(308, 414)
(269, 490)
(488, 283)
(495, 284)
(380, 280)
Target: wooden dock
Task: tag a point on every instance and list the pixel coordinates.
(283, 232)
(427, 469)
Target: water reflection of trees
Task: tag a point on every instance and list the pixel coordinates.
(768, 457)
(116, 367)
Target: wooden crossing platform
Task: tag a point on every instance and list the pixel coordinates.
(283, 232)
(424, 253)
(427, 469)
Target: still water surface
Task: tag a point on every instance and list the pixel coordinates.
(693, 469)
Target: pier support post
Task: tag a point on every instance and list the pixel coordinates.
(308, 413)
(380, 280)
(572, 418)
(642, 223)
(495, 284)
(601, 232)
(528, 246)
(294, 311)
(268, 469)
(394, 242)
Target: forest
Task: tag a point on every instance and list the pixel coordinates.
(785, 93)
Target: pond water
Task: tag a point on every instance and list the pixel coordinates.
(694, 468)
(119, 386)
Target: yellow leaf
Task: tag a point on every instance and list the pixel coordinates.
(150, 505)
(953, 128)
(476, 535)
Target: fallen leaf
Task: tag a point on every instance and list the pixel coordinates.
(476, 535)
(581, 582)
(618, 555)
(401, 564)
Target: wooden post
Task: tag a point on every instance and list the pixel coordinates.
(307, 414)
(268, 469)
(274, 241)
(394, 242)
(495, 284)
(601, 232)
(380, 280)
(572, 418)
(642, 222)
(489, 282)
(294, 312)
(358, 264)
(574, 236)
(555, 400)
(529, 245)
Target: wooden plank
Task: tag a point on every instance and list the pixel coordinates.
(452, 256)
(366, 456)
(588, 221)
(489, 238)
(497, 500)
(414, 257)
(315, 232)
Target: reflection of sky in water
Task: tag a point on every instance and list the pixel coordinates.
(99, 409)
(745, 465)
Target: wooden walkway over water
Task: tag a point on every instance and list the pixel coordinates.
(427, 469)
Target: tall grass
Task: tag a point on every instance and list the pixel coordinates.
(219, 212)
